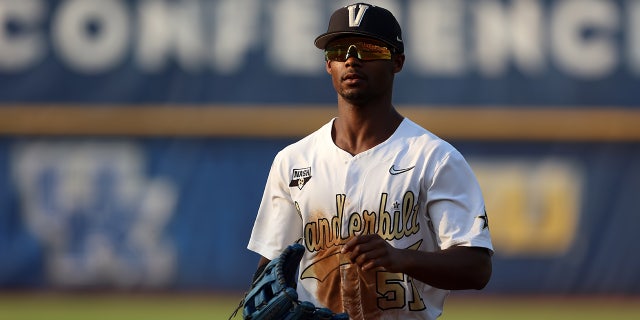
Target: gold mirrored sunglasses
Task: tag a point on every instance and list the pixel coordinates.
(341, 50)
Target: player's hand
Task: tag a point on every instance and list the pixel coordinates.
(371, 251)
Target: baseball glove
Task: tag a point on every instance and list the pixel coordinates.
(273, 292)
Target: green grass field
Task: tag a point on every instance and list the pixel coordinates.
(92, 306)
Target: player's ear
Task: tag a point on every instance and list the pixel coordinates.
(398, 62)
(327, 66)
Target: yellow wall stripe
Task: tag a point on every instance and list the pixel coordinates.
(451, 122)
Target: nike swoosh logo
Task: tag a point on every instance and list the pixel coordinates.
(398, 39)
(395, 171)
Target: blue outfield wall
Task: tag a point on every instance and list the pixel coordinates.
(189, 205)
(136, 136)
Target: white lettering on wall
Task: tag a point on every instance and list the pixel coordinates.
(24, 47)
(583, 39)
(633, 30)
(170, 30)
(582, 35)
(235, 30)
(436, 37)
(505, 34)
(91, 36)
(291, 48)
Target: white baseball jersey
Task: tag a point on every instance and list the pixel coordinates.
(415, 190)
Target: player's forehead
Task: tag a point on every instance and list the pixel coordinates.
(356, 39)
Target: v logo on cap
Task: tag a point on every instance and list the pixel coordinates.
(356, 18)
(365, 20)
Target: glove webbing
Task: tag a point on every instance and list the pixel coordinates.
(273, 291)
(265, 275)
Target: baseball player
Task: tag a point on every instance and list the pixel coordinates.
(390, 215)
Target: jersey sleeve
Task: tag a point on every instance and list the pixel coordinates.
(278, 223)
(456, 206)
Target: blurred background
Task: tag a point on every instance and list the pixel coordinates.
(136, 135)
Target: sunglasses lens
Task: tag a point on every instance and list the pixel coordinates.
(336, 53)
(365, 51)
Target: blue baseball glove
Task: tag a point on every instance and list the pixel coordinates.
(273, 295)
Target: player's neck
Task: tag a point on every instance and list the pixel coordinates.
(357, 130)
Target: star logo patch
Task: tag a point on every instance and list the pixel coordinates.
(484, 217)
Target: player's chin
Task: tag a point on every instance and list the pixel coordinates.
(354, 95)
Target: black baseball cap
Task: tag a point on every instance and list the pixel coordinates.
(363, 19)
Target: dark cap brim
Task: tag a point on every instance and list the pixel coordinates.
(324, 39)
